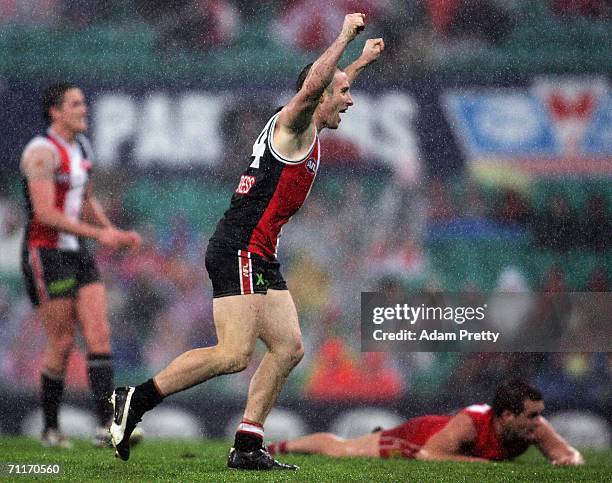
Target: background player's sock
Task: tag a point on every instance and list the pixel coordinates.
(100, 372)
(52, 389)
(277, 447)
(249, 436)
(145, 397)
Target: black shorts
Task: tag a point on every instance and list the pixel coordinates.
(238, 272)
(51, 273)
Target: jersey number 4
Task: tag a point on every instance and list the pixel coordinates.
(259, 148)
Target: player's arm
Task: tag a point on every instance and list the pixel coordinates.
(93, 212)
(39, 165)
(555, 448)
(92, 209)
(371, 52)
(294, 126)
(446, 444)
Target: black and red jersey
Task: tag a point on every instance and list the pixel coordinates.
(73, 165)
(269, 193)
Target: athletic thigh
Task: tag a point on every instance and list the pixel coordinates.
(237, 319)
(280, 325)
(91, 311)
(57, 317)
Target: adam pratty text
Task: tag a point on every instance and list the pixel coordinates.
(413, 314)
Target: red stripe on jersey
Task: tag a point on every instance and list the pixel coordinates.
(291, 191)
(39, 278)
(245, 269)
(41, 235)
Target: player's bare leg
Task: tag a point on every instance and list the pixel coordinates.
(280, 331)
(329, 444)
(92, 316)
(236, 321)
(57, 317)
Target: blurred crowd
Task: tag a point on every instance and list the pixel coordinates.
(357, 232)
(484, 18)
(561, 225)
(160, 298)
(417, 31)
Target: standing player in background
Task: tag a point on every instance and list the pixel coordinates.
(478, 433)
(251, 299)
(60, 274)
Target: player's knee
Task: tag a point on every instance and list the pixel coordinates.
(298, 353)
(292, 354)
(335, 451)
(99, 341)
(335, 447)
(238, 361)
(62, 344)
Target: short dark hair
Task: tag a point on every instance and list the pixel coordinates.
(302, 77)
(53, 96)
(511, 396)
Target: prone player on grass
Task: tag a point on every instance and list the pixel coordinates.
(478, 433)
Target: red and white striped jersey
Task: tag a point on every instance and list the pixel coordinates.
(73, 166)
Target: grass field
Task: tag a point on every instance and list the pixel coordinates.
(205, 461)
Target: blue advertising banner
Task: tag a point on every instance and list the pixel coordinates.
(556, 126)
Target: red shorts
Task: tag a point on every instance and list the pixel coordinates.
(406, 440)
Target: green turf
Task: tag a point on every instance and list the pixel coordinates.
(205, 461)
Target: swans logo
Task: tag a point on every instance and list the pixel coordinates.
(559, 125)
(311, 166)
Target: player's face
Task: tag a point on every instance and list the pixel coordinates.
(523, 426)
(339, 100)
(72, 113)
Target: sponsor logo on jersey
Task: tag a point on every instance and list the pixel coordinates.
(311, 166)
(260, 280)
(61, 286)
(245, 184)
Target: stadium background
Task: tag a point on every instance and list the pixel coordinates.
(432, 183)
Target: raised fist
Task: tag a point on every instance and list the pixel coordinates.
(372, 50)
(354, 23)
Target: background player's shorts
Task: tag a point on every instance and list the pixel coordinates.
(51, 273)
(406, 440)
(239, 272)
